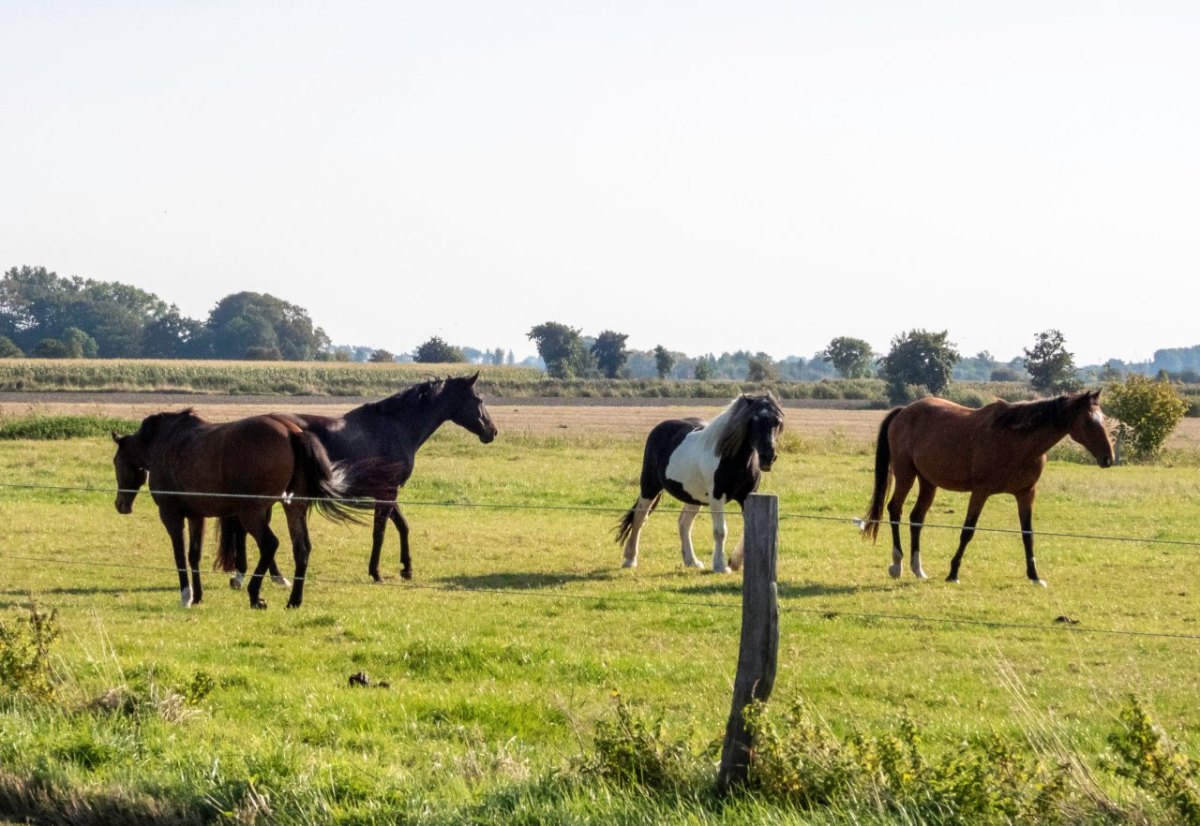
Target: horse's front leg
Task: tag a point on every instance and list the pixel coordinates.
(717, 506)
(301, 548)
(173, 521)
(405, 556)
(195, 546)
(1025, 514)
(974, 508)
(686, 517)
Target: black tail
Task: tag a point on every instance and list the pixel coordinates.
(227, 544)
(625, 526)
(883, 476)
(318, 478)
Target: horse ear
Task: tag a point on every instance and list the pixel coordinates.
(116, 439)
(1095, 396)
(472, 379)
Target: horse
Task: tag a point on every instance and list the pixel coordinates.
(237, 471)
(999, 448)
(386, 434)
(703, 463)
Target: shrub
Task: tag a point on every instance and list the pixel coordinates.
(1147, 757)
(25, 653)
(632, 749)
(1149, 410)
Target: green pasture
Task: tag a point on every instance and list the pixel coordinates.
(519, 627)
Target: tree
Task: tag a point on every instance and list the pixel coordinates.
(382, 356)
(561, 348)
(918, 358)
(497, 356)
(437, 351)
(703, 370)
(1051, 368)
(851, 357)
(664, 362)
(1148, 409)
(760, 369)
(246, 320)
(610, 353)
(9, 350)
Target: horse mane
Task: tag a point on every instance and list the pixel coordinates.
(155, 421)
(1030, 415)
(736, 421)
(418, 394)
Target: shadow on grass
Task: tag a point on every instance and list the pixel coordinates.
(523, 580)
(90, 590)
(787, 591)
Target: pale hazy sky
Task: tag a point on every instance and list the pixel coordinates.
(705, 175)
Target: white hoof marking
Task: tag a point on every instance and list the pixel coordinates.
(185, 598)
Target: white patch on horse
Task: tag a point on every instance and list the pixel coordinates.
(1098, 417)
(185, 598)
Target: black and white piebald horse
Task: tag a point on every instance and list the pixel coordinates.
(705, 464)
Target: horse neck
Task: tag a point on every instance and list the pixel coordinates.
(1039, 440)
(414, 423)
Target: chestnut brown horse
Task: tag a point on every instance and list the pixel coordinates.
(237, 470)
(1000, 448)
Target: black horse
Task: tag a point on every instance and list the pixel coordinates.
(387, 434)
(705, 464)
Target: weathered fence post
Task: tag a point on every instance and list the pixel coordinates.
(759, 648)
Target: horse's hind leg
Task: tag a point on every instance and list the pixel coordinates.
(195, 546)
(905, 477)
(974, 508)
(402, 528)
(259, 527)
(686, 517)
(297, 519)
(1025, 513)
(637, 514)
(717, 506)
(926, 490)
(382, 510)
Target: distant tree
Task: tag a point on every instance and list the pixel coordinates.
(170, 335)
(9, 350)
(759, 369)
(1051, 368)
(436, 351)
(382, 356)
(918, 358)
(510, 358)
(1004, 374)
(851, 357)
(561, 348)
(610, 353)
(51, 348)
(79, 344)
(263, 354)
(246, 320)
(1111, 372)
(1148, 410)
(703, 370)
(664, 362)
(497, 356)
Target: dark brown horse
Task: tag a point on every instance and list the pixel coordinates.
(1000, 448)
(384, 437)
(236, 470)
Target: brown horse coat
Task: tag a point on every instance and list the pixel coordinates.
(1000, 448)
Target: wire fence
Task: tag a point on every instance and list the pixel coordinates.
(1061, 626)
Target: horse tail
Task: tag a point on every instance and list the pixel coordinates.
(226, 544)
(321, 479)
(883, 476)
(625, 526)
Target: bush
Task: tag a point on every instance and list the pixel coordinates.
(1148, 409)
(25, 654)
(631, 749)
(1147, 757)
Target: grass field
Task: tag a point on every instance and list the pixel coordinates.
(505, 650)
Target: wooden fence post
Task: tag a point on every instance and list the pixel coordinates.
(759, 649)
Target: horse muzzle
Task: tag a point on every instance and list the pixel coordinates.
(124, 505)
(1105, 461)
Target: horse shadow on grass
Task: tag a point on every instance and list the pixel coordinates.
(524, 580)
(787, 590)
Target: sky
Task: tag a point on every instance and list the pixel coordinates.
(708, 176)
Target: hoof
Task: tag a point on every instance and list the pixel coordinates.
(375, 577)
(406, 574)
(259, 605)
(1041, 582)
(952, 579)
(235, 582)
(894, 571)
(292, 605)
(629, 563)
(735, 564)
(185, 598)
(919, 574)
(725, 570)
(281, 580)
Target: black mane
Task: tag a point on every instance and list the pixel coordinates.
(407, 399)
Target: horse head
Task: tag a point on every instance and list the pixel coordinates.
(756, 420)
(1086, 426)
(131, 471)
(467, 409)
